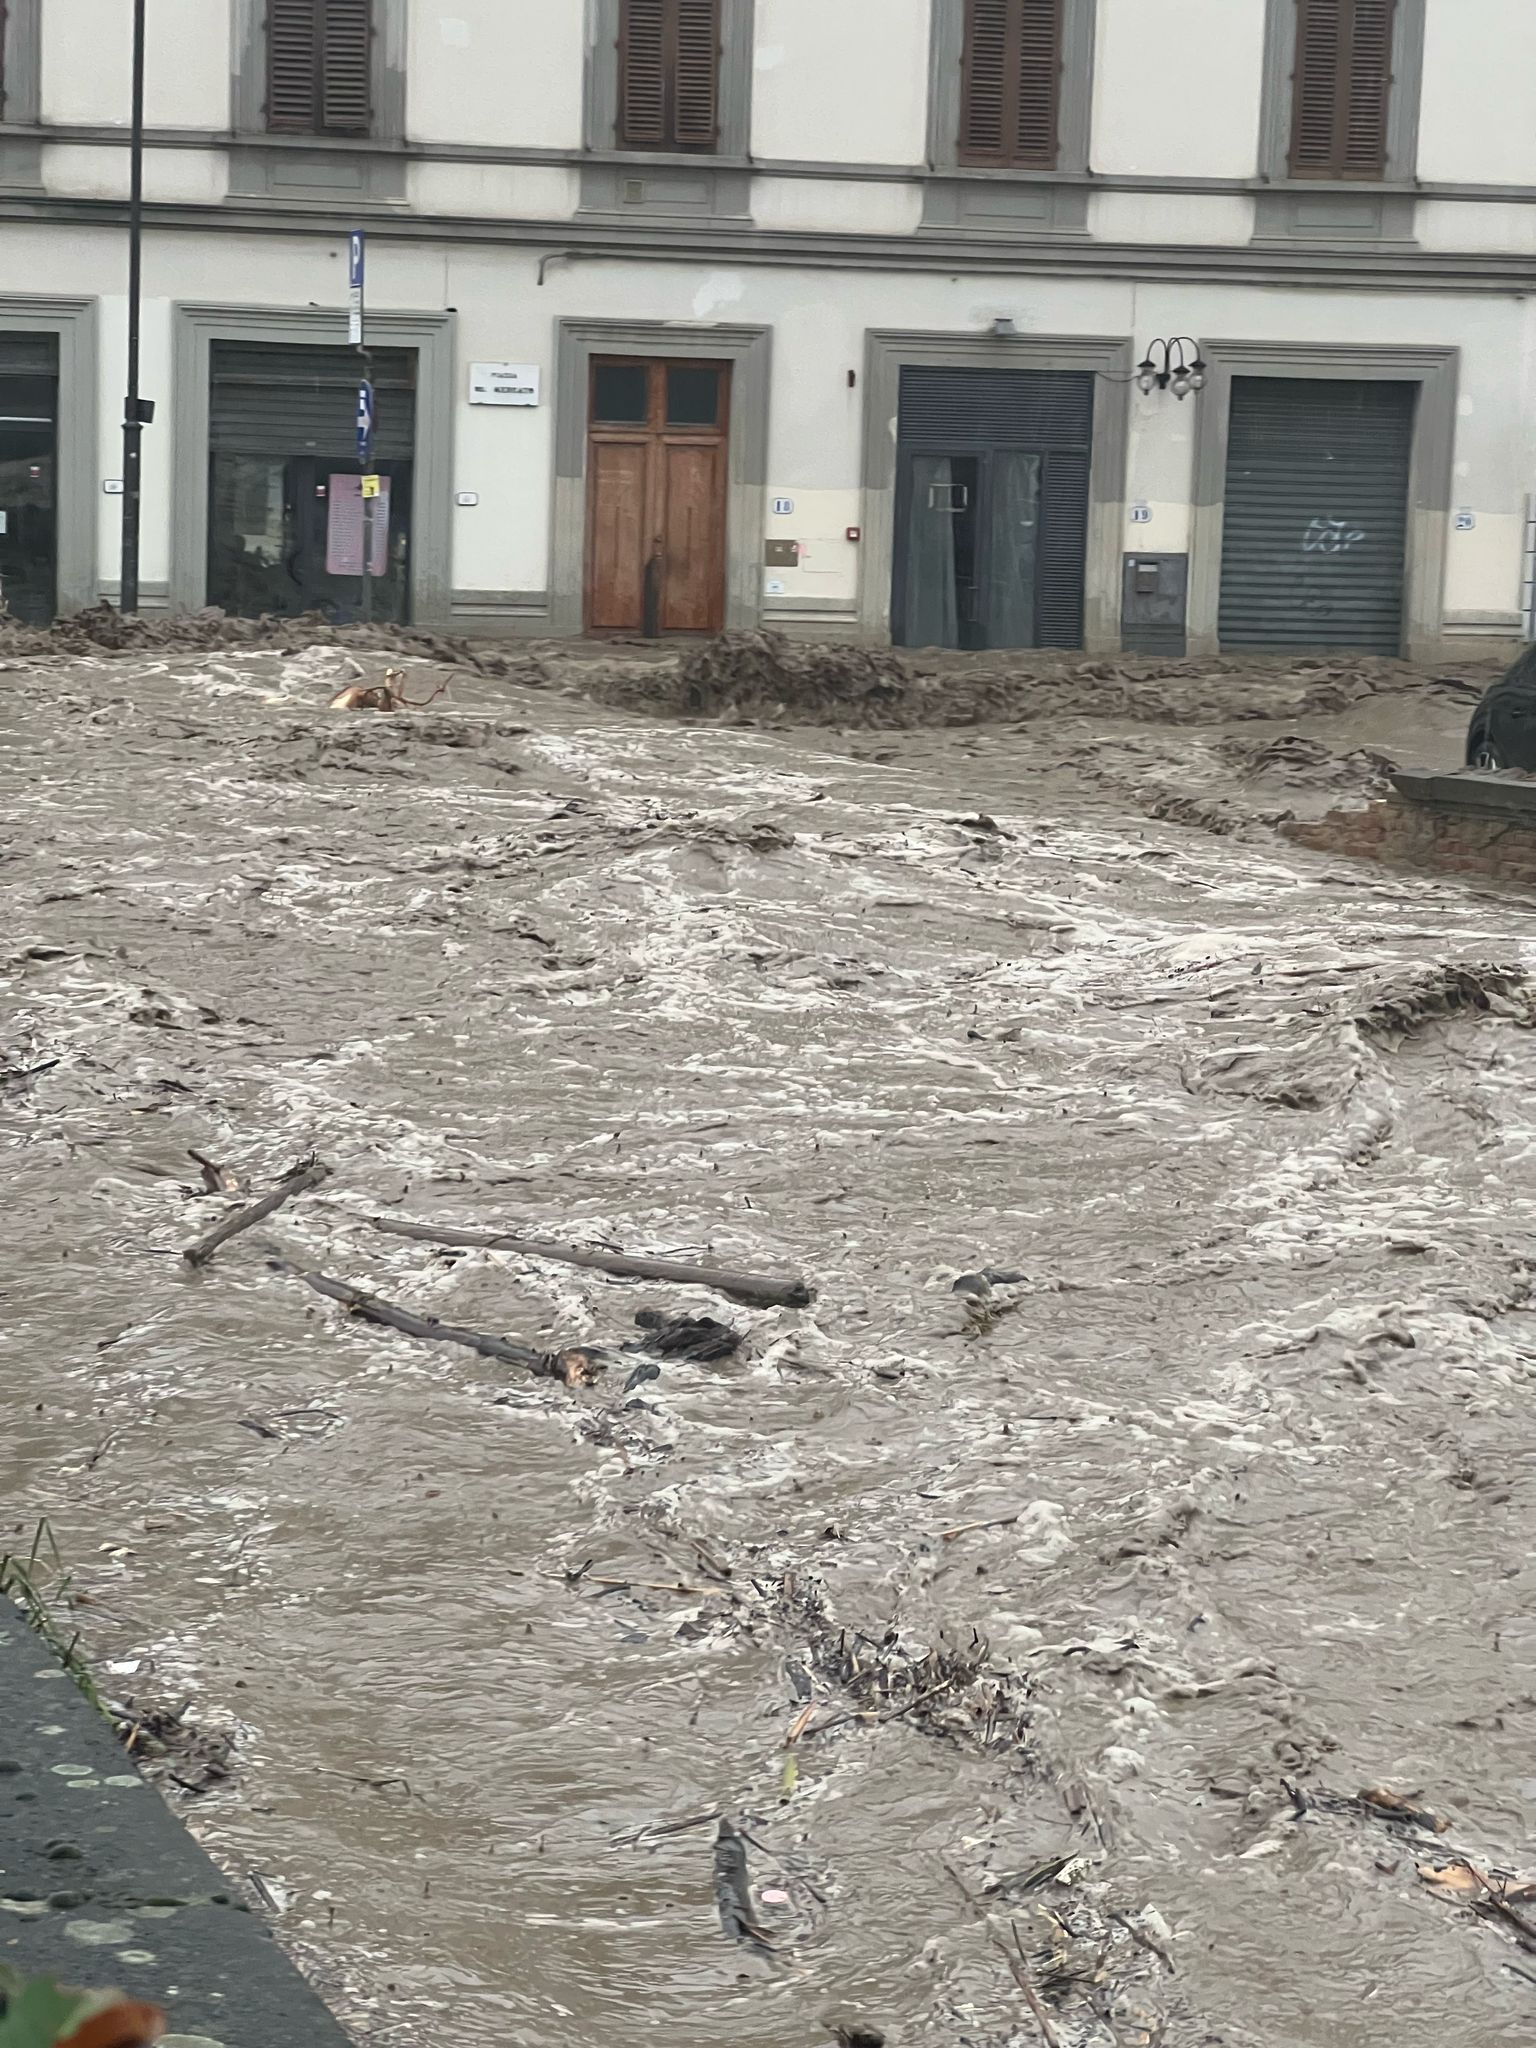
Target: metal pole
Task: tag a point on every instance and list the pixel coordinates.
(133, 423)
(368, 504)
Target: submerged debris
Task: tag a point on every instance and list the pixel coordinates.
(699, 1338)
(954, 1691)
(733, 1892)
(171, 1747)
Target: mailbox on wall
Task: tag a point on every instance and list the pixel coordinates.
(1154, 604)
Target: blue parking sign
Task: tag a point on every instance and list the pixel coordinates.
(364, 424)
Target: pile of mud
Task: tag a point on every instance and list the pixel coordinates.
(766, 679)
(103, 630)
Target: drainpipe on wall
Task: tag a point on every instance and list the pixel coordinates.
(136, 412)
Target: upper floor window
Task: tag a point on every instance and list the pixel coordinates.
(320, 66)
(1010, 96)
(669, 74)
(1342, 92)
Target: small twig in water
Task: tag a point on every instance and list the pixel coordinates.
(665, 1828)
(968, 1528)
(295, 1182)
(1018, 1964)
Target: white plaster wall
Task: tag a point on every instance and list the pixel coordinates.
(86, 172)
(494, 191)
(1177, 86)
(841, 81)
(1214, 218)
(496, 71)
(87, 67)
(1160, 472)
(1498, 227)
(1478, 117)
(195, 177)
(864, 206)
(101, 171)
(504, 453)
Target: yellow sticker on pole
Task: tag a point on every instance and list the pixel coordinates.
(370, 487)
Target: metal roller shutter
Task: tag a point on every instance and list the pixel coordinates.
(285, 400)
(1316, 524)
(964, 410)
(28, 355)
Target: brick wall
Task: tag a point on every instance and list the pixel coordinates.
(1446, 840)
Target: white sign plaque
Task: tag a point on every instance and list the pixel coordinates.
(503, 383)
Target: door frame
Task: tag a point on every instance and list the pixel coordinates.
(196, 327)
(1431, 471)
(888, 351)
(748, 350)
(78, 505)
(655, 435)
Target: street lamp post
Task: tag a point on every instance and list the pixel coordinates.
(135, 410)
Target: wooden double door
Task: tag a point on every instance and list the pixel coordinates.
(657, 469)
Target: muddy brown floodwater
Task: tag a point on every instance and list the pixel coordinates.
(1237, 1439)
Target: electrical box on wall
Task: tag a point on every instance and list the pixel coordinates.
(1154, 604)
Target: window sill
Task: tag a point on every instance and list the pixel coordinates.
(1039, 204)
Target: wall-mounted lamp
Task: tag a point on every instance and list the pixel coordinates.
(1005, 327)
(1175, 366)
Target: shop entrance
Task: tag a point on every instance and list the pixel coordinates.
(29, 412)
(285, 513)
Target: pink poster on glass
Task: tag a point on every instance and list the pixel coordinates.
(344, 526)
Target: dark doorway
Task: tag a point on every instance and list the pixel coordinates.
(1315, 528)
(657, 465)
(29, 408)
(991, 528)
(285, 528)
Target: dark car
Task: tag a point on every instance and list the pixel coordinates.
(1503, 729)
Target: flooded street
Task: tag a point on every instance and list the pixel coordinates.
(1111, 1577)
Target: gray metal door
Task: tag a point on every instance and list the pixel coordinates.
(991, 507)
(1316, 525)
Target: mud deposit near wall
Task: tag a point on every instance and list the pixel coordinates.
(1151, 1474)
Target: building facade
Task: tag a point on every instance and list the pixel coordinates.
(821, 314)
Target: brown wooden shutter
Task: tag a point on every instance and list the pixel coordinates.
(1010, 110)
(669, 74)
(1363, 150)
(643, 74)
(1342, 88)
(320, 66)
(291, 64)
(696, 122)
(346, 66)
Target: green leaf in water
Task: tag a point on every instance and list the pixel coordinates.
(38, 2013)
(790, 1780)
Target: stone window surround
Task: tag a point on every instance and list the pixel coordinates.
(1436, 371)
(645, 183)
(21, 156)
(79, 497)
(749, 352)
(196, 327)
(1110, 357)
(1344, 210)
(322, 172)
(1005, 200)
